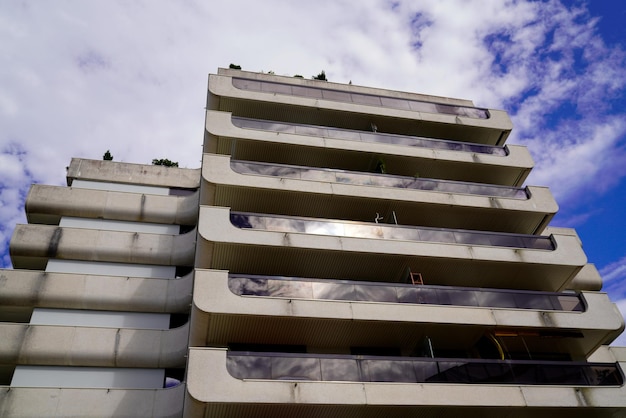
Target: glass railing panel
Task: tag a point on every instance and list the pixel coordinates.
(307, 92)
(365, 136)
(299, 368)
(360, 98)
(284, 366)
(365, 230)
(340, 369)
(388, 371)
(368, 293)
(325, 289)
(395, 103)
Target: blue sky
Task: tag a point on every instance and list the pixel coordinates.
(78, 78)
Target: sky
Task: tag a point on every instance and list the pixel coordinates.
(78, 78)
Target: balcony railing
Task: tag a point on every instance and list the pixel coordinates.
(358, 98)
(363, 136)
(347, 368)
(383, 180)
(324, 289)
(385, 231)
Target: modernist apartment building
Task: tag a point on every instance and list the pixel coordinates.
(342, 252)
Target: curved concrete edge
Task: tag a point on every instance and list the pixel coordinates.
(118, 172)
(588, 278)
(496, 128)
(220, 124)
(214, 225)
(216, 169)
(51, 202)
(16, 402)
(45, 241)
(213, 296)
(37, 289)
(208, 381)
(93, 346)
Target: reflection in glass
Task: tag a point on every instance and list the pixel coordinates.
(316, 367)
(369, 179)
(366, 136)
(397, 232)
(325, 289)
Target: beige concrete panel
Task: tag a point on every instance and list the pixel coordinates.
(588, 278)
(82, 291)
(493, 130)
(43, 242)
(88, 346)
(519, 158)
(46, 204)
(116, 172)
(91, 403)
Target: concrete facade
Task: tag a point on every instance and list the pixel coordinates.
(343, 251)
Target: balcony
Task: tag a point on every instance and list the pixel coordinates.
(312, 102)
(369, 137)
(353, 148)
(388, 232)
(347, 290)
(381, 180)
(318, 247)
(347, 368)
(211, 388)
(231, 307)
(358, 98)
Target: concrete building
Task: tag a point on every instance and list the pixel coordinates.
(343, 252)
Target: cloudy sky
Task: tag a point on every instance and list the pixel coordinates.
(80, 77)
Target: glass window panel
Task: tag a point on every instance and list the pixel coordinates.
(324, 228)
(471, 238)
(344, 134)
(333, 291)
(290, 289)
(249, 286)
(249, 367)
(240, 220)
(318, 175)
(423, 107)
(569, 303)
(603, 375)
(363, 231)
(460, 297)
(375, 293)
(311, 130)
(336, 95)
(427, 296)
(395, 103)
(244, 84)
(407, 294)
(284, 225)
(533, 301)
(276, 88)
(306, 92)
(487, 373)
(345, 370)
(451, 371)
(389, 370)
(280, 127)
(406, 234)
(489, 299)
(435, 235)
(299, 368)
(425, 370)
(366, 99)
